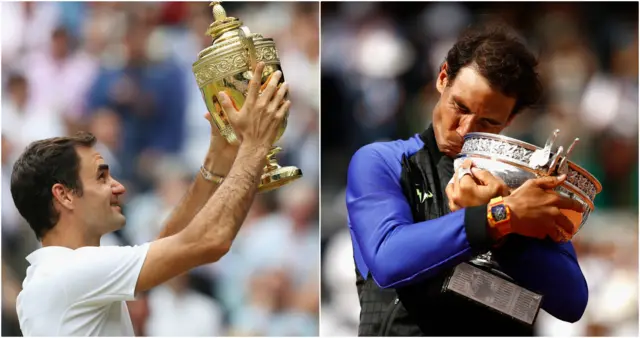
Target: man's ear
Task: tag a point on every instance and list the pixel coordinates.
(441, 81)
(63, 196)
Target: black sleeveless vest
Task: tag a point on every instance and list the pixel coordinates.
(422, 309)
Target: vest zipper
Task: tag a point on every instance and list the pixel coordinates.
(388, 318)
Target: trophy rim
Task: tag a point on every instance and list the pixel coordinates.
(529, 146)
(523, 166)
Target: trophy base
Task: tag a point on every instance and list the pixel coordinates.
(276, 176)
(483, 284)
(279, 177)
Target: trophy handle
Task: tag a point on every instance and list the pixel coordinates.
(250, 48)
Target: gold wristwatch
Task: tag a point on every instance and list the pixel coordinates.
(499, 217)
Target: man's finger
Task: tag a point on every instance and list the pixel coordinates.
(565, 225)
(282, 112)
(227, 105)
(450, 197)
(569, 204)
(278, 100)
(467, 183)
(449, 191)
(467, 164)
(465, 167)
(484, 177)
(456, 181)
(270, 87)
(549, 182)
(254, 85)
(555, 233)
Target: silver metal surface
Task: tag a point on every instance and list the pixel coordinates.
(495, 292)
(515, 162)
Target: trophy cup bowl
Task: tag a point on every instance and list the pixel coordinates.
(515, 162)
(227, 65)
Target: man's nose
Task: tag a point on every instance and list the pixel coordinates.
(466, 125)
(118, 188)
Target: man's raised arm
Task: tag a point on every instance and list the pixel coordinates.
(210, 234)
(218, 161)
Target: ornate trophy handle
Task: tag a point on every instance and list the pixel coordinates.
(563, 168)
(554, 161)
(250, 48)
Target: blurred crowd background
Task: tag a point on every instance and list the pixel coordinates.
(123, 72)
(379, 64)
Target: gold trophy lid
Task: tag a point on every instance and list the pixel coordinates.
(225, 31)
(221, 23)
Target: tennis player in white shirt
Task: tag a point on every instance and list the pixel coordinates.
(62, 187)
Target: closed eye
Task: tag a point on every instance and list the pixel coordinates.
(461, 107)
(492, 123)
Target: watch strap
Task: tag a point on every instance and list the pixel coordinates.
(211, 177)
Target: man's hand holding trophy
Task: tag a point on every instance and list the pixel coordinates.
(547, 196)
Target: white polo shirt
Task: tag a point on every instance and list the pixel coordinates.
(80, 292)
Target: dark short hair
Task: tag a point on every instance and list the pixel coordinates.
(43, 164)
(498, 54)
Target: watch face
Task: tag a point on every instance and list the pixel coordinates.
(499, 213)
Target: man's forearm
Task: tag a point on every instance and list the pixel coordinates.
(198, 194)
(548, 268)
(215, 227)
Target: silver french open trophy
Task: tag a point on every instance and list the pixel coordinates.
(515, 162)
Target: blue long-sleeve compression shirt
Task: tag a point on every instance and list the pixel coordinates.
(397, 251)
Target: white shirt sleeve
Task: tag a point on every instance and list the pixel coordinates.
(104, 274)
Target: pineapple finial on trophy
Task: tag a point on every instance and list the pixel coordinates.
(218, 11)
(221, 22)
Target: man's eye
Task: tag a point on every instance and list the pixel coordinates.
(460, 109)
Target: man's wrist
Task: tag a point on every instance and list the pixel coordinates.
(477, 230)
(220, 156)
(254, 149)
(211, 176)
